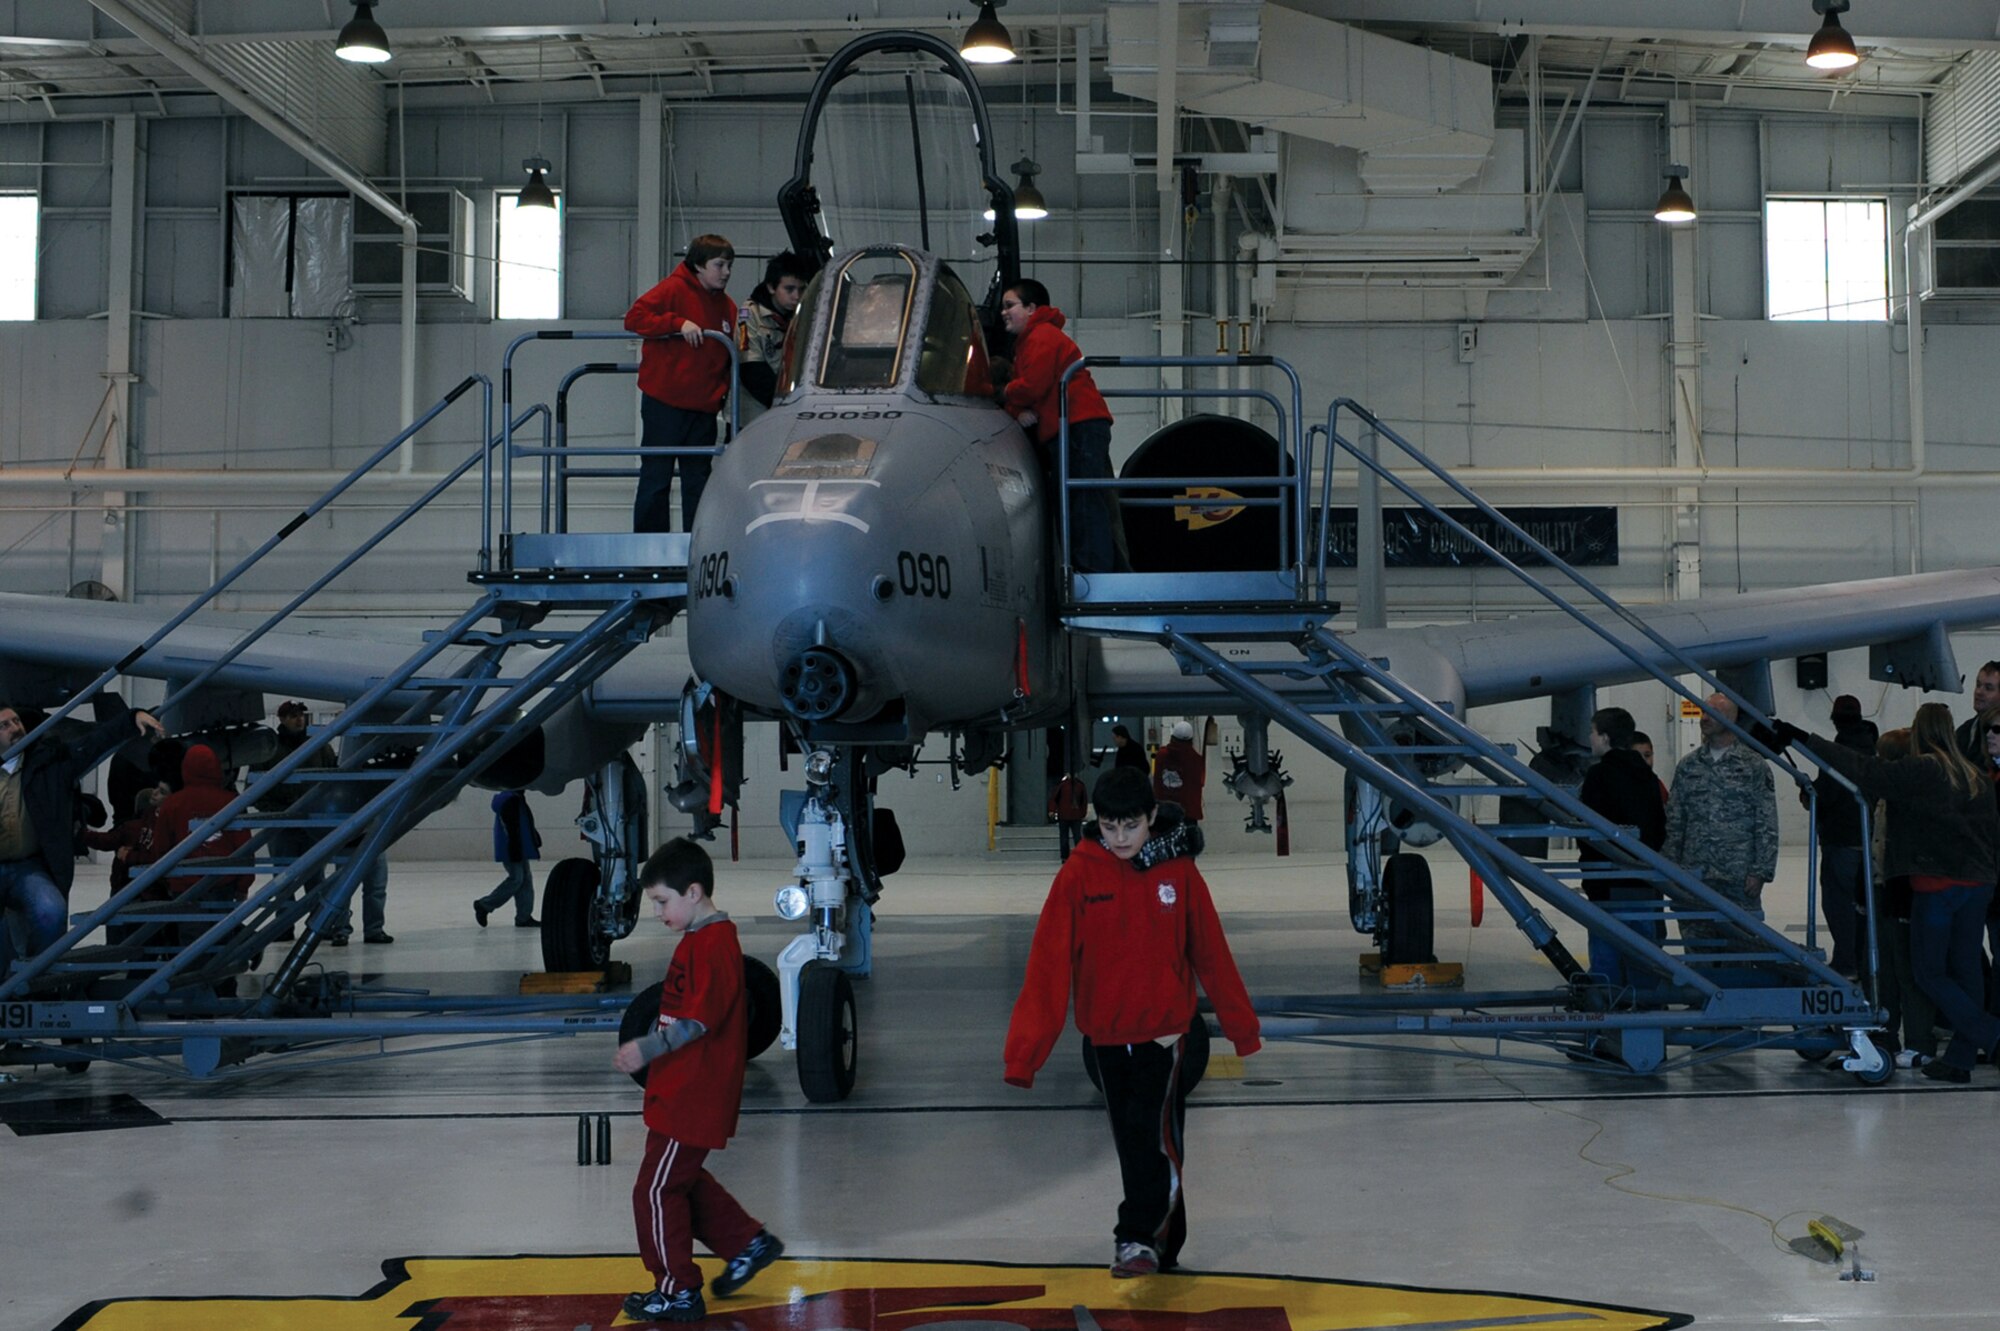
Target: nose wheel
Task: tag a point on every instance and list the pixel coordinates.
(829, 1033)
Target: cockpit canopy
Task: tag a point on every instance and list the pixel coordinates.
(885, 319)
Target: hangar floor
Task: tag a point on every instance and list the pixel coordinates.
(1436, 1176)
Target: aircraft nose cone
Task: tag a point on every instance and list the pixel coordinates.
(817, 684)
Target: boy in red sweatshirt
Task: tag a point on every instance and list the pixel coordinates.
(694, 1088)
(683, 378)
(1129, 927)
(1042, 351)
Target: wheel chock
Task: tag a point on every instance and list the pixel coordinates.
(616, 975)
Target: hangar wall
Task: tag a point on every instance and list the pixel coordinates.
(1571, 367)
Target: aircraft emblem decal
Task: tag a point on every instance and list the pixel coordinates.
(565, 1293)
(812, 506)
(1199, 516)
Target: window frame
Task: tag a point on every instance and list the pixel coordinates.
(33, 257)
(1827, 307)
(503, 201)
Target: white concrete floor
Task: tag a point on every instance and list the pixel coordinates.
(1439, 1173)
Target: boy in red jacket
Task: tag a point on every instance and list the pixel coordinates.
(1130, 927)
(683, 378)
(1042, 351)
(694, 1087)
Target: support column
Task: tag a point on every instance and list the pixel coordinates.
(1173, 295)
(649, 258)
(1684, 405)
(121, 325)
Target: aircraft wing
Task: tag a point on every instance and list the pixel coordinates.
(1537, 655)
(53, 637)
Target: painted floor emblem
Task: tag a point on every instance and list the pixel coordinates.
(584, 1293)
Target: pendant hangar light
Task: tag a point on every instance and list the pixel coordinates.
(986, 41)
(362, 40)
(1676, 205)
(1831, 48)
(536, 193)
(1029, 205)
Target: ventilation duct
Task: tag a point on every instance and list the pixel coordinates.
(1421, 121)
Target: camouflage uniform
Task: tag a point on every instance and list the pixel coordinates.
(1722, 825)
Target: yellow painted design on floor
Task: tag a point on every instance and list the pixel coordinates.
(564, 1293)
(1223, 1067)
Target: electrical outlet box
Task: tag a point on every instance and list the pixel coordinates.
(1468, 342)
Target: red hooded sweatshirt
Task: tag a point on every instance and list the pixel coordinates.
(1131, 943)
(671, 371)
(201, 795)
(1041, 353)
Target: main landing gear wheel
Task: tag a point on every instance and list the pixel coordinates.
(767, 1015)
(1406, 885)
(760, 991)
(829, 1034)
(568, 941)
(1194, 1058)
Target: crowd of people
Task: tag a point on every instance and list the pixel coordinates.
(1933, 796)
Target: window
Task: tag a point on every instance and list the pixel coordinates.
(871, 305)
(20, 218)
(1826, 258)
(527, 281)
(953, 360)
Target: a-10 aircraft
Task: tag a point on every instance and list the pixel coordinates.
(876, 562)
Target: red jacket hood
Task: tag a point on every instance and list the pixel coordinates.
(200, 767)
(1046, 314)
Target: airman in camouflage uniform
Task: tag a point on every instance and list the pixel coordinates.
(1722, 821)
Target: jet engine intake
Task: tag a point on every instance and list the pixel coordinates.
(817, 684)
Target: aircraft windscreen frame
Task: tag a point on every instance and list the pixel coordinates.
(870, 316)
(895, 121)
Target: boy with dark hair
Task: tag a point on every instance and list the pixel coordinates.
(694, 1088)
(1129, 927)
(767, 317)
(683, 378)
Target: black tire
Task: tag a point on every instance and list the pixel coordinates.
(568, 942)
(1406, 882)
(1194, 1059)
(760, 990)
(766, 1015)
(641, 1015)
(829, 1034)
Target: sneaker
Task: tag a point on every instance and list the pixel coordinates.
(338, 940)
(1910, 1058)
(1939, 1070)
(649, 1305)
(529, 923)
(757, 1254)
(377, 937)
(479, 912)
(1134, 1259)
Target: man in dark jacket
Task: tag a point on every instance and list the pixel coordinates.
(37, 827)
(1621, 788)
(1840, 840)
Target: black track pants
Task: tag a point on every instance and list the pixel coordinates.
(1142, 1090)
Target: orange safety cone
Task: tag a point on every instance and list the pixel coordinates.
(1478, 898)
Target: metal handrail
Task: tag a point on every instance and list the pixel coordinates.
(1291, 437)
(554, 519)
(1687, 663)
(250, 560)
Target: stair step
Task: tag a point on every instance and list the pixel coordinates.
(460, 682)
(358, 774)
(289, 820)
(372, 728)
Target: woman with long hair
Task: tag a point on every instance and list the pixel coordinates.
(1944, 836)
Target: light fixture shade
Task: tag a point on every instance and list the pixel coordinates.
(1675, 204)
(986, 41)
(362, 40)
(1029, 205)
(1831, 47)
(536, 193)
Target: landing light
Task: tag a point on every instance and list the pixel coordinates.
(792, 902)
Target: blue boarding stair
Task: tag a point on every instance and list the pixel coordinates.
(553, 613)
(1412, 760)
